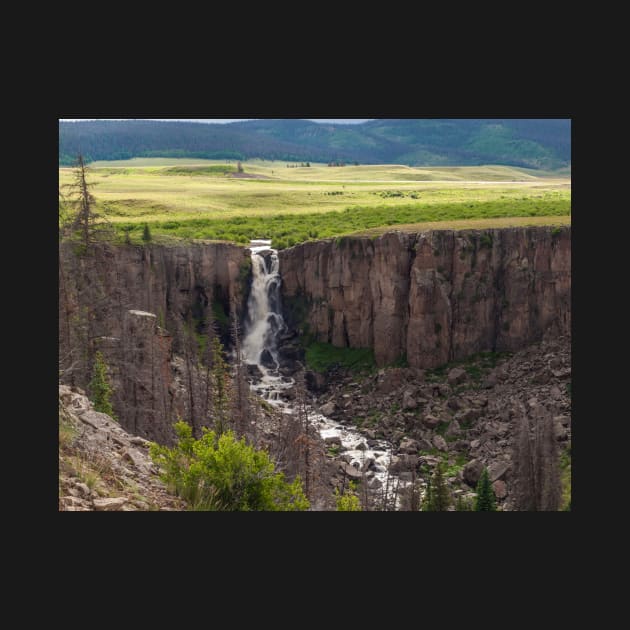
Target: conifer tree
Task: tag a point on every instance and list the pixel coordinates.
(485, 495)
(220, 393)
(146, 233)
(87, 225)
(99, 387)
(437, 498)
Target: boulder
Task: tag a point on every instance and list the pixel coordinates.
(430, 421)
(266, 359)
(440, 443)
(562, 373)
(541, 377)
(390, 380)
(560, 429)
(328, 409)
(456, 376)
(408, 401)
(402, 463)
(500, 489)
(350, 471)
(137, 458)
(109, 504)
(497, 470)
(490, 380)
(454, 404)
(467, 415)
(565, 421)
(288, 394)
(453, 429)
(287, 369)
(254, 372)
(472, 472)
(369, 464)
(333, 440)
(409, 446)
(83, 489)
(424, 445)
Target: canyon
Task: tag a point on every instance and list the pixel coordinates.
(460, 301)
(425, 299)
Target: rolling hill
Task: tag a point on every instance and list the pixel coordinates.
(533, 143)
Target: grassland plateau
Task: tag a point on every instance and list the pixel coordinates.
(291, 203)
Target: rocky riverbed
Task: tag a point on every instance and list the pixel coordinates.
(464, 415)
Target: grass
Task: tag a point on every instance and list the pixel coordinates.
(322, 356)
(67, 433)
(198, 199)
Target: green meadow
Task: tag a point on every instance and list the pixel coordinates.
(206, 199)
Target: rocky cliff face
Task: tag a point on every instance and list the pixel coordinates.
(131, 303)
(433, 297)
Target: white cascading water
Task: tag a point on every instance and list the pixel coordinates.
(264, 319)
(264, 322)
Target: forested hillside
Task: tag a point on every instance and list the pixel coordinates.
(534, 143)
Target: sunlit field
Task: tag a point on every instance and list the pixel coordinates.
(206, 199)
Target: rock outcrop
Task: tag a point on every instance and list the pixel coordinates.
(433, 297)
(102, 467)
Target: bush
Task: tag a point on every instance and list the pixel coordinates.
(348, 501)
(222, 473)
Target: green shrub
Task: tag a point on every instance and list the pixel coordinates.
(348, 501)
(222, 473)
(321, 356)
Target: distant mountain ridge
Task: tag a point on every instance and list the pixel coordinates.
(532, 143)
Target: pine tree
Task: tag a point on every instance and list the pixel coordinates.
(86, 224)
(437, 498)
(220, 393)
(241, 408)
(485, 495)
(100, 388)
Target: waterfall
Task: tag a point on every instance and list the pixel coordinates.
(263, 324)
(264, 318)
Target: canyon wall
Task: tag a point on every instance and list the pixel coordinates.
(131, 303)
(433, 297)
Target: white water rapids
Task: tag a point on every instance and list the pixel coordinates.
(263, 324)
